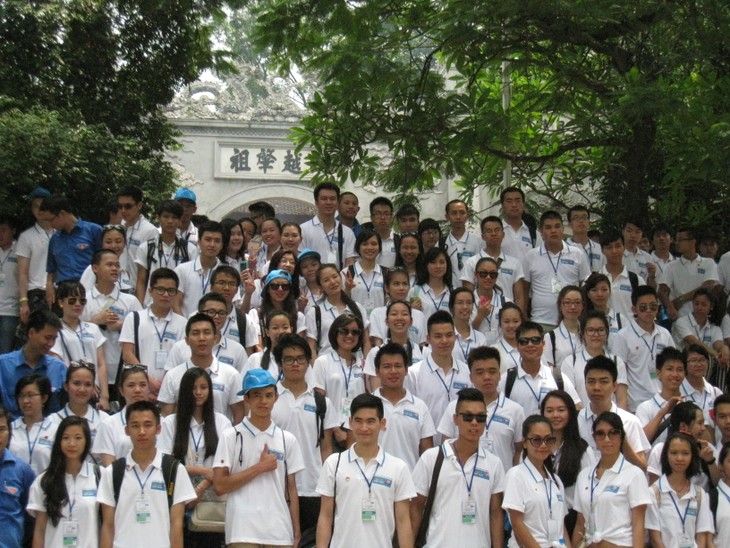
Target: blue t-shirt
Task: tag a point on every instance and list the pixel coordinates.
(16, 478)
(69, 253)
(13, 368)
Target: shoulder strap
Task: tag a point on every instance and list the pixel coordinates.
(510, 382)
(318, 321)
(340, 243)
(533, 233)
(713, 504)
(551, 334)
(181, 251)
(135, 317)
(242, 324)
(118, 467)
(633, 280)
(321, 410)
(558, 377)
(334, 492)
(97, 473)
(426, 517)
(618, 320)
(386, 272)
(659, 431)
(169, 473)
(151, 247)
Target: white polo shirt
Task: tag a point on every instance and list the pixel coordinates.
(9, 304)
(637, 262)
(547, 273)
(510, 272)
(606, 503)
(81, 343)
(33, 446)
(639, 349)
(704, 398)
(616, 322)
(654, 466)
(462, 346)
(340, 381)
(82, 498)
(503, 431)
(574, 368)
(33, 245)
(621, 292)
(164, 258)
(390, 482)
(537, 498)
(567, 344)
(417, 332)
(328, 314)
(664, 515)
(406, 424)
(529, 391)
(509, 356)
(128, 531)
(369, 289)
(517, 243)
(386, 257)
(430, 301)
(156, 335)
(111, 439)
(139, 232)
(634, 432)
(229, 352)
(119, 303)
(257, 512)
(490, 324)
(682, 276)
(194, 283)
(427, 381)
(93, 417)
(648, 410)
(230, 328)
(125, 282)
(661, 264)
(481, 477)
(686, 326)
(196, 438)
(298, 415)
(596, 258)
(226, 384)
(461, 250)
(316, 238)
(722, 538)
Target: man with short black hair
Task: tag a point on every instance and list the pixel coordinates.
(334, 242)
(519, 237)
(381, 215)
(623, 281)
(195, 275)
(259, 212)
(348, 207)
(579, 220)
(636, 259)
(407, 218)
(460, 243)
(131, 202)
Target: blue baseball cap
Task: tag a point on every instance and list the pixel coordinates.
(306, 252)
(185, 194)
(39, 192)
(274, 274)
(256, 378)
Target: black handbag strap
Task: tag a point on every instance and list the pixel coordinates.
(426, 517)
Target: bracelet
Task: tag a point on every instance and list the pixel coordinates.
(711, 462)
(23, 300)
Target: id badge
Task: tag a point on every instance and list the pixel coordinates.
(369, 303)
(332, 256)
(469, 512)
(556, 285)
(489, 445)
(346, 402)
(368, 509)
(143, 511)
(555, 529)
(684, 541)
(591, 525)
(70, 533)
(160, 359)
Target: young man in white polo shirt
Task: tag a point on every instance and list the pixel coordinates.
(503, 434)
(579, 220)
(461, 244)
(148, 335)
(195, 275)
(238, 326)
(511, 275)
(201, 336)
(381, 215)
(622, 279)
(550, 267)
(141, 515)
(256, 465)
(638, 345)
(438, 378)
(467, 506)
(130, 200)
(299, 410)
(409, 427)
(532, 379)
(518, 238)
(600, 374)
(365, 491)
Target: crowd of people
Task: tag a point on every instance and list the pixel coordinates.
(403, 381)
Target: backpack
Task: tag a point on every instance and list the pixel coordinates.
(321, 405)
(169, 474)
(512, 377)
(179, 253)
(713, 504)
(242, 324)
(385, 271)
(633, 280)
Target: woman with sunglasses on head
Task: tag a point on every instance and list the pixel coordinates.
(564, 340)
(63, 498)
(111, 440)
(113, 237)
(191, 435)
(611, 497)
(33, 432)
(488, 298)
(334, 303)
(510, 319)
(408, 255)
(594, 339)
(533, 493)
(597, 291)
(461, 306)
(79, 340)
(282, 260)
(571, 452)
(679, 515)
(433, 283)
(364, 281)
(338, 373)
(276, 324)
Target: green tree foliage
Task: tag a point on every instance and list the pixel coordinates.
(82, 87)
(619, 103)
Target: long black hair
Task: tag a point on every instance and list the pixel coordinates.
(266, 356)
(184, 414)
(53, 483)
(694, 468)
(574, 446)
(288, 305)
(344, 296)
(431, 255)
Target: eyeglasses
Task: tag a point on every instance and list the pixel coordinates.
(172, 291)
(224, 283)
(483, 274)
(524, 341)
(431, 232)
(126, 206)
(291, 360)
(602, 434)
(82, 364)
(595, 330)
(119, 228)
(644, 307)
(381, 214)
(139, 366)
(698, 361)
(73, 300)
(23, 397)
(345, 332)
(481, 418)
(276, 285)
(215, 313)
(537, 441)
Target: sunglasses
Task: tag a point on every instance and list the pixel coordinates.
(601, 434)
(73, 300)
(644, 307)
(82, 364)
(537, 441)
(483, 274)
(524, 341)
(481, 418)
(139, 366)
(344, 331)
(109, 228)
(283, 287)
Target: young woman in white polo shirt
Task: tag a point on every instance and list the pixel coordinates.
(276, 324)
(63, 498)
(461, 305)
(366, 278)
(597, 289)
(510, 320)
(611, 497)
(398, 287)
(488, 299)
(433, 283)
(566, 336)
(533, 493)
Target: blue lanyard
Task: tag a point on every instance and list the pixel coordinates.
(556, 265)
(143, 483)
(536, 396)
(509, 353)
(31, 448)
(548, 484)
(441, 301)
(369, 482)
(569, 337)
(494, 414)
(461, 346)
(80, 335)
(72, 502)
(470, 482)
(372, 281)
(160, 336)
(443, 382)
(331, 240)
(204, 280)
(704, 400)
(347, 376)
(597, 483)
(196, 443)
(682, 518)
(653, 341)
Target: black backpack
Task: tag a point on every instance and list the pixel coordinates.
(321, 405)
(512, 377)
(169, 473)
(242, 324)
(180, 252)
